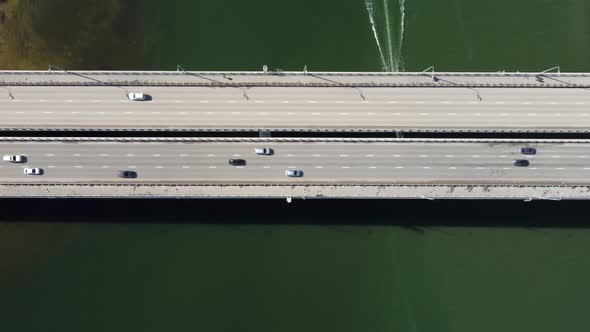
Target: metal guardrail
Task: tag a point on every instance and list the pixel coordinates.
(283, 140)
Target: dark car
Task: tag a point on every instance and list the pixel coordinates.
(521, 163)
(237, 162)
(528, 150)
(127, 174)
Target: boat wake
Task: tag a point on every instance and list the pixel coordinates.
(392, 15)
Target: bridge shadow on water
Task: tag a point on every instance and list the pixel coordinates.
(413, 214)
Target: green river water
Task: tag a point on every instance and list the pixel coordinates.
(147, 265)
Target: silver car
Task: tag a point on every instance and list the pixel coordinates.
(294, 173)
(264, 151)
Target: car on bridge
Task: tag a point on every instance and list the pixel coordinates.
(294, 173)
(237, 162)
(528, 150)
(264, 151)
(15, 158)
(33, 171)
(521, 163)
(127, 174)
(136, 96)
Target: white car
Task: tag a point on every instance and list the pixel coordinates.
(15, 158)
(135, 96)
(294, 173)
(33, 171)
(264, 151)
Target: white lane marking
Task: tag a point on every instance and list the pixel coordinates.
(186, 167)
(210, 113)
(75, 112)
(343, 155)
(423, 156)
(555, 156)
(203, 101)
(184, 155)
(426, 167)
(452, 167)
(291, 113)
(475, 156)
(504, 114)
(392, 102)
(51, 166)
(182, 113)
(526, 103)
(316, 113)
(69, 101)
(372, 167)
(319, 167)
(424, 114)
(419, 102)
(155, 155)
(266, 167)
(130, 155)
(560, 168)
(262, 113)
(240, 166)
(179, 101)
(396, 114)
(259, 101)
(451, 113)
(587, 168)
(236, 113)
(370, 113)
(532, 114)
(106, 166)
(395, 155)
(49, 154)
(290, 155)
(291, 166)
(78, 166)
(104, 155)
(532, 168)
(579, 103)
(155, 112)
(507, 167)
(400, 167)
(445, 102)
(315, 155)
(232, 101)
(502, 156)
(131, 166)
(450, 156)
(127, 112)
(210, 155)
(43, 100)
(370, 156)
(477, 114)
(47, 112)
(19, 112)
(345, 167)
(237, 155)
(343, 113)
(582, 157)
(557, 114)
(76, 155)
(480, 168)
(212, 167)
(158, 166)
(312, 102)
(500, 103)
(339, 102)
(285, 101)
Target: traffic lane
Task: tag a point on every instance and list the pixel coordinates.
(326, 174)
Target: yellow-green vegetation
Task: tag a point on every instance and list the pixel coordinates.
(73, 34)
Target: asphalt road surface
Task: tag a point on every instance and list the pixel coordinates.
(302, 108)
(416, 163)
